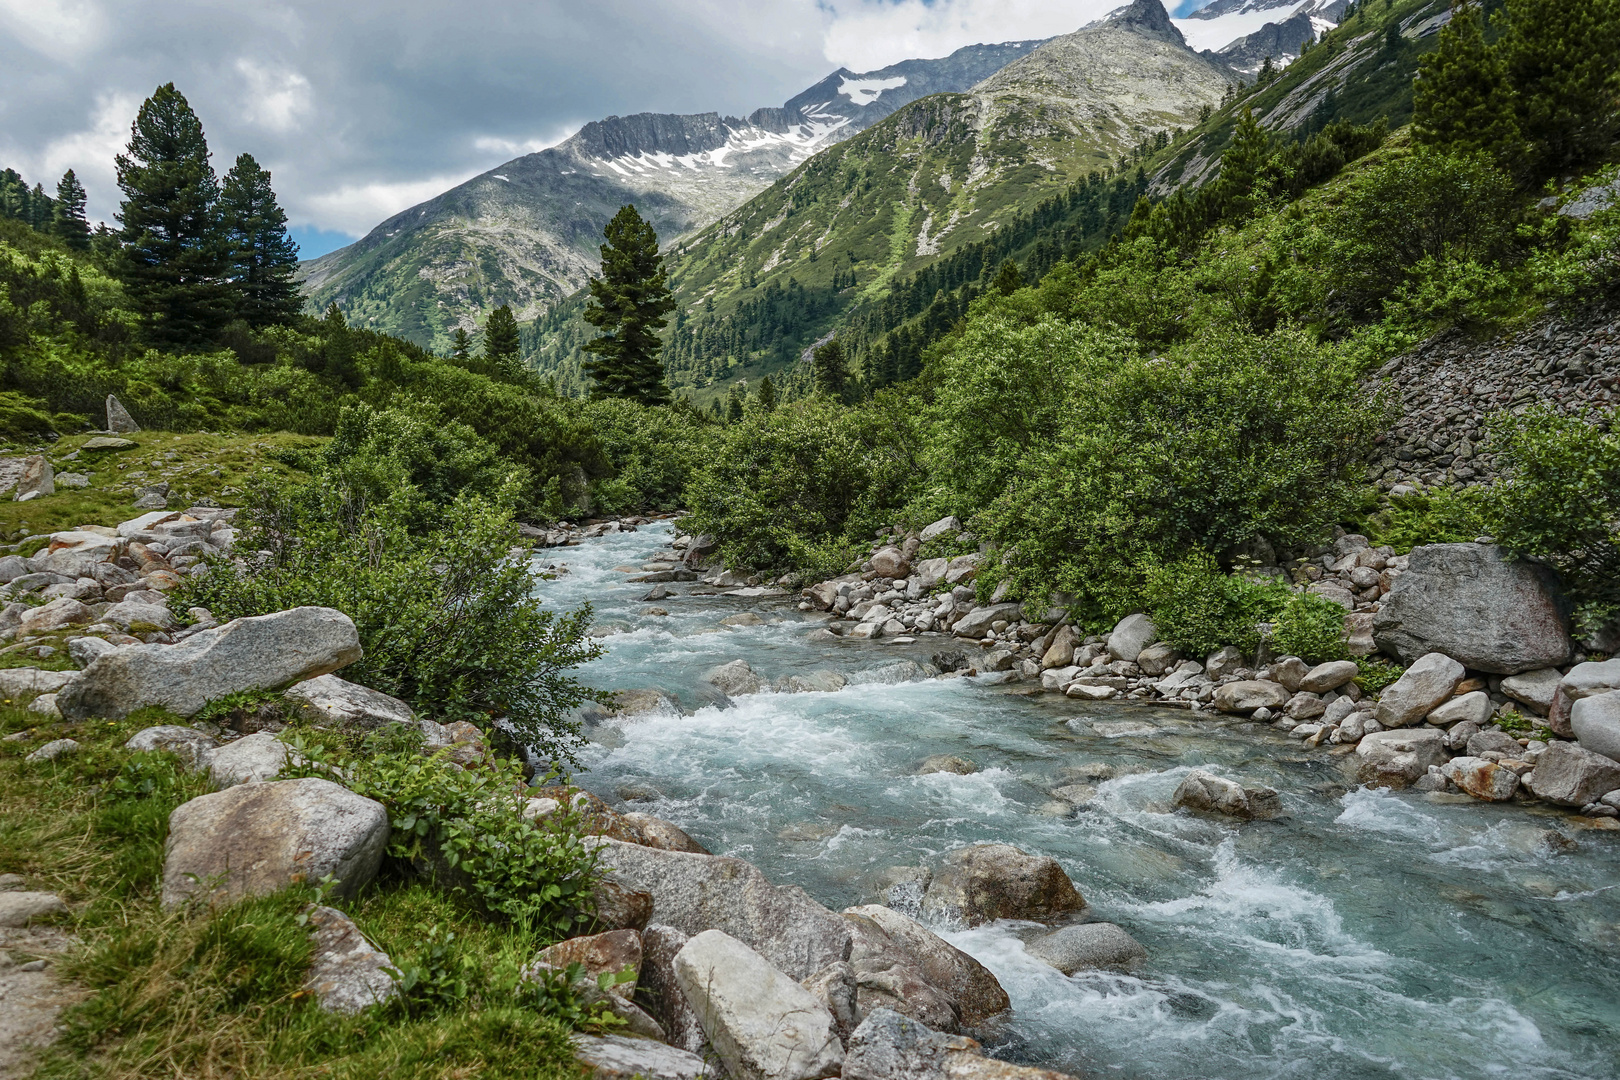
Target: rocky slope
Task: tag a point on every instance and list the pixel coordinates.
(527, 232)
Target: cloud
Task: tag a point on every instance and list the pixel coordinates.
(274, 98)
(506, 149)
(355, 208)
(866, 34)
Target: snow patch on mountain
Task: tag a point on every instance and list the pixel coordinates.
(866, 91)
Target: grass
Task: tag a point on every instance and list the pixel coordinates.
(214, 995)
(196, 465)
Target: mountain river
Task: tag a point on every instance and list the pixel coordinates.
(1363, 934)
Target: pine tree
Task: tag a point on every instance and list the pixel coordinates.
(830, 370)
(766, 395)
(1560, 58)
(263, 258)
(503, 344)
(69, 221)
(734, 404)
(1461, 98)
(1242, 164)
(629, 302)
(174, 260)
(460, 346)
(1007, 280)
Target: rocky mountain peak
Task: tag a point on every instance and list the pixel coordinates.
(1148, 17)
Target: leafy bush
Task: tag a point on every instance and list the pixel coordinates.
(653, 452)
(802, 486)
(1559, 500)
(1445, 515)
(1197, 608)
(445, 612)
(1309, 627)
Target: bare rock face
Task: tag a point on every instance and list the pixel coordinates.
(975, 995)
(254, 839)
(1208, 793)
(835, 987)
(616, 908)
(660, 995)
(347, 973)
(259, 653)
(694, 893)
(985, 882)
(764, 1025)
(1478, 605)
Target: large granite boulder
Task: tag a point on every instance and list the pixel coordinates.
(1401, 757)
(255, 839)
(251, 759)
(1583, 681)
(188, 744)
(1478, 605)
(883, 935)
(1247, 695)
(977, 623)
(1205, 792)
(734, 679)
(694, 893)
(888, 1046)
(328, 701)
(1421, 689)
(1568, 775)
(1480, 778)
(1088, 946)
(764, 1025)
(75, 553)
(264, 652)
(659, 994)
(1130, 636)
(1596, 722)
(985, 882)
(347, 973)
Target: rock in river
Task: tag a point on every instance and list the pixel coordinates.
(985, 882)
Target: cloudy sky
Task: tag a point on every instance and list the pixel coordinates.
(361, 108)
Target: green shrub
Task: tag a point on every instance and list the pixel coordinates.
(1197, 608)
(653, 452)
(1446, 515)
(1310, 628)
(445, 613)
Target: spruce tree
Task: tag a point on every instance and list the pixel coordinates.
(1243, 164)
(263, 258)
(460, 346)
(69, 221)
(766, 395)
(1561, 60)
(1008, 280)
(629, 302)
(830, 371)
(734, 404)
(1461, 98)
(174, 259)
(503, 344)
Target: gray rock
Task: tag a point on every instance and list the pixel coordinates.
(1487, 742)
(13, 567)
(1088, 946)
(926, 574)
(1474, 707)
(694, 893)
(188, 744)
(889, 562)
(764, 1025)
(1289, 672)
(1569, 775)
(974, 994)
(59, 614)
(1304, 706)
(1130, 636)
(619, 1057)
(1479, 606)
(1399, 758)
(1596, 721)
(1534, 690)
(251, 759)
(1584, 680)
(889, 1046)
(108, 442)
(976, 623)
(21, 908)
(19, 683)
(52, 750)
(1247, 695)
(734, 679)
(45, 705)
(328, 701)
(1204, 791)
(835, 987)
(1419, 691)
(119, 422)
(1060, 653)
(612, 953)
(85, 649)
(347, 973)
(984, 882)
(658, 833)
(1482, 779)
(37, 478)
(944, 525)
(1157, 659)
(1223, 661)
(887, 976)
(659, 994)
(1329, 676)
(135, 617)
(946, 763)
(261, 653)
(255, 839)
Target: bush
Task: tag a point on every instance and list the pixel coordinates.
(445, 613)
(1446, 515)
(804, 486)
(1559, 501)
(1310, 628)
(1197, 609)
(653, 452)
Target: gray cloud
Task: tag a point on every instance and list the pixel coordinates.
(361, 108)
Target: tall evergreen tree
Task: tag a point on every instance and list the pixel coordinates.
(1461, 98)
(263, 258)
(766, 395)
(1561, 60)
(734, 404)
(460, 346)
(174, 258)
(1242, 163)
(830, 370)
(629, 302)
(69, 221)
(503, 344)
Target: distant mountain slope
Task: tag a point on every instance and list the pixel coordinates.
(526, 233)
(942, 172)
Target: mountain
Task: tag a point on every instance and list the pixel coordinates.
(1225, 25)
(527, 232)
(940, 173)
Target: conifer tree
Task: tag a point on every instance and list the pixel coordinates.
(460, 346)
(1242, 164)
(1561, 60)
(1461, 98)
(734, 404)
(503, 344)
(766, 395)
(69, 221)
(174, 260)
(629, 302)
(1008, 280)
(830, 370)
(263, 258)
